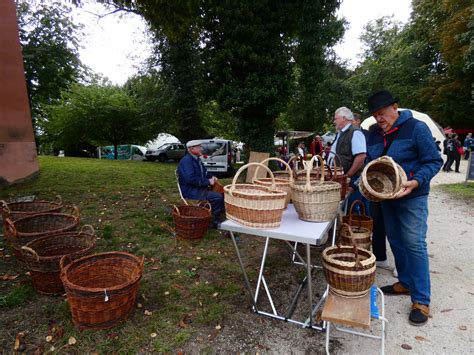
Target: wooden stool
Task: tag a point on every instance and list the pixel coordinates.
(355, 313)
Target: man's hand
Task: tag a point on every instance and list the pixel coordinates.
(407, 188)
(212, 180)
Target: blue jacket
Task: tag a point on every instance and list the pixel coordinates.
(193, 178)
(413, 149)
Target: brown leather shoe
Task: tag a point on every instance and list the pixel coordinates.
(419, 314)
(396, 289)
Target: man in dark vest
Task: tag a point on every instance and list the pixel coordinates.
(350, 146)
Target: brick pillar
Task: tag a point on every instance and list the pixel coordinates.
(18, 160)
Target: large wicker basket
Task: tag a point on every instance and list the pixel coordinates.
(358, 220)
(27, 229)
(102, 288)
(382, 179)
(315, 201)
(42, 256)
(191, 222)
(254, 205)
(281, 183)
(349, 271)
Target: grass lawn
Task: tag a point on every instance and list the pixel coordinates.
(461, 190)
(187, 288)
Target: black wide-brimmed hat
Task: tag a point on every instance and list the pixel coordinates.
(380, 100)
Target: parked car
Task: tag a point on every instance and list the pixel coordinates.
(124, 152)
(217, 156)
(166, 152)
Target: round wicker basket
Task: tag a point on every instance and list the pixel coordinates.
(315, 201)
(360, 237)
(192, 222)
(358, 220)
(254, 205)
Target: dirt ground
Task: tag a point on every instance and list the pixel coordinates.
(449, 331)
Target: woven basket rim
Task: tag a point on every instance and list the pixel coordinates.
(269, 192)
(386, 160)
(344, 248)
(55, 214)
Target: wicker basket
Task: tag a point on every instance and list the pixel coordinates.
(192, 222)
(358, 220)
(102, 288)
(382, 179)
(360, 237)
(349, 271)
(253, 205)
(282, 184)
(42, 256)
(336, 173)
(16, 210)
(27, 229)
(315, 201)
(217, 187)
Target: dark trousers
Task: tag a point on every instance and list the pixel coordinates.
(453, 157)
(216, 200)
(379, 246)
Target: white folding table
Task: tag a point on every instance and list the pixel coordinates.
(291, 230)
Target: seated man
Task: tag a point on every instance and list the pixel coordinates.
(194, 181)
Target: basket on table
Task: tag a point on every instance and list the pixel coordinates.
(281, 183)
(192, 222)
(101, 288)
(336, 173)
(358, 220)
(381, 179)
(315, 201)
(253, 205)
(19, 209)
(27, 229)
(42, 256)
(349, 270)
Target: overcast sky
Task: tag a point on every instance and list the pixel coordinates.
(115, 45)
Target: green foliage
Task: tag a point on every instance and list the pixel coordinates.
(464, 190)
(16, 297)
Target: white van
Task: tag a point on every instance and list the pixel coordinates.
(217, 156)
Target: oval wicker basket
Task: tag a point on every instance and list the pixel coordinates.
(281, 183)
(358, 220)
(382, 179)
(27, 229)
(349, 271)
(253, 205)
(191, 222)
(101, 288)
(42, 256)
(315, 201)
(360, 236)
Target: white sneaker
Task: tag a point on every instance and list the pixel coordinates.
(384, 265)
(395, 272)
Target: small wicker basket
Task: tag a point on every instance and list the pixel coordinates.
(315, 201)
(191, 222)
(358, 220)
(281, 183)
(42, 256)
(382, 179)
(253, 205)
(360, 237)
(101, 288)
(349, 271)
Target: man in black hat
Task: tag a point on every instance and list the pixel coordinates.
(409, 142)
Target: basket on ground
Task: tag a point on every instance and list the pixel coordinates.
(315, 201)
(101, 288)
(27, 229)
(349, 271)
(281, 183)
(381, 179)
(358, 220)
(254, 205)
(42, 256)
(191, 222)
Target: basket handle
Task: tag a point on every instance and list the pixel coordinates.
(87, 226)
(11, 228)
(275, 159)
(31, 251)
(63, 263)
(362, 211)
(242, 168)
(4, 207)
(395, 170)
(309, 168)
(75, 212)
(331, 176)
(204, 204)
(176, 209)
(58, 200)
(357, 265)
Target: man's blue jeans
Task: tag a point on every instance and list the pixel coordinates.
(406, 226)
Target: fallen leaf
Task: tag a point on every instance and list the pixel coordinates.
(153, 335)
(155, 268)
(419, 337)
(72, 341)
(18, 341)
(406, 347)
(198, 257)
(182, 324)
(49, 338)
(7, 277)
(462, 327)
(148, 313)
(218, 327)
(139, 305)
(167, 293)
(215, 294)
(446, 310)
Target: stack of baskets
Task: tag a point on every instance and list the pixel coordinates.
(382, 179)
(281, 183)
(253, 205)
(191, 222)
(349, 270)
(315, 201)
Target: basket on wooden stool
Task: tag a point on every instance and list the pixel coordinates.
(281, 183)
(358, 220)
(42, 256)
(382, 179)
(349, 271)
(360, 236)
(27, 229)
(254, 205)
(315, 201)
(19, 209)
(192, 222)
(101, 288)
